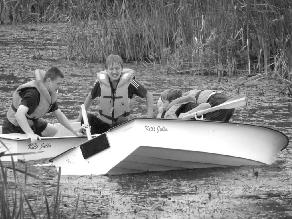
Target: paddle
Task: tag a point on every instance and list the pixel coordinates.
(85, 122)
(230, 104)
(3, 154)
(93, 145)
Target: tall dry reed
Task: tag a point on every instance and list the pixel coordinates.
(16, 200)
(208, 35)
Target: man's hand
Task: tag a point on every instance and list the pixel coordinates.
(80, 132)
(33, 137)
(166, 106)
(149, 115)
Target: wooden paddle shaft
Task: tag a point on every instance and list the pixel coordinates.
(230, 104)
(85, 121)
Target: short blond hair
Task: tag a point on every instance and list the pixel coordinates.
(111, 59)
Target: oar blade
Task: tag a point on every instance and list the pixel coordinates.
(233, 103)
(3, 154)
(94, 146)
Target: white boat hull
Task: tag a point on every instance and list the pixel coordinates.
(48, 147)
(158, 145)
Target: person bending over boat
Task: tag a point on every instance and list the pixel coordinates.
(114, 88)
(31, 101)
(174, 104)
(165, 98)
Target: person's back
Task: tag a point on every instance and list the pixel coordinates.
(195, 100)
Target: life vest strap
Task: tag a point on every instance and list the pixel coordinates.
(116, 97)
(114, 119)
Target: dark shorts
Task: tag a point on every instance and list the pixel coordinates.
(97, 126)
(223, 115)
(39, 125)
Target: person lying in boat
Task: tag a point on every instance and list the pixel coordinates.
(174, 104)
(165, 98)
(114, 88)
(31, 101)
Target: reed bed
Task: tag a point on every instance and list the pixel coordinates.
(171, 32)
(218, 37)
(201, 36)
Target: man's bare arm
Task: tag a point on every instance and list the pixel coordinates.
(65, 122)
(20, 116)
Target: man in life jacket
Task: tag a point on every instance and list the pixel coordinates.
(31, 101)
(114, 88)
(174, 104)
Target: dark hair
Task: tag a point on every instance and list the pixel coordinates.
(173, 94)
(53, 73)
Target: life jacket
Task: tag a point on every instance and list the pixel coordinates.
(46, 100)
(171, 113)
(200, 96)
(204, 96)
(165, 114)
(113, 105)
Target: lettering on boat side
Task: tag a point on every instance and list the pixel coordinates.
(156, 129)
(39, 146)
